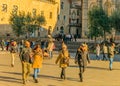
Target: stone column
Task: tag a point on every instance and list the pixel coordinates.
(84, 17)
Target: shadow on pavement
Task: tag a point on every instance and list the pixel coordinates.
(100, 68)
(49, 64)
(9, 79)
(3, 65)
(12, 73)
(58, 78)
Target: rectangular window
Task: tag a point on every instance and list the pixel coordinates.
(64, 17)
(42, 13)
(15, 9)
(4, 7)
(58, 17)
(78, 12)
(34, 12)
(77, 21)
(62, 5)
(50, 15)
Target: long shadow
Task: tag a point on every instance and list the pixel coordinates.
(93, 67)
(3, 65)
(13, 73)
(47, 76)
(9, 79)
(49, 64)
(58, 78)
(99, 68)
(73, 66)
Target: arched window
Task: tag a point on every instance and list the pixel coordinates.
(62, 5)
(93, 4)
(108, 7)
(61, 30)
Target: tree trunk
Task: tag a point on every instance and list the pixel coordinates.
(104, 35)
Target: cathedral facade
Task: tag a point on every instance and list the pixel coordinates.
(108, 5)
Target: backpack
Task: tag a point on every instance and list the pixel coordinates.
(26, 56)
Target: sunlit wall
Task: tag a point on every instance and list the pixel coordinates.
(48, 8)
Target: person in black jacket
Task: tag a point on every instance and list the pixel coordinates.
(81, 59)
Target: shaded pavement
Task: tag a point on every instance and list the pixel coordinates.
(96, 74)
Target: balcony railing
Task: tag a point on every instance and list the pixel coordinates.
(75, 24)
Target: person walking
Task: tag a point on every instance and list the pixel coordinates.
(2, 43)
(105, 52)
(98, 52)
(37, 62)
(111, 50)
(63, 60)
(13, 51)
(25, 56)
(81, 59)
(50, 48)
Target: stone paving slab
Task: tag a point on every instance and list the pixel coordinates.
(96, 74)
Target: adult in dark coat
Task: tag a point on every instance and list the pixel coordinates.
(81, 59)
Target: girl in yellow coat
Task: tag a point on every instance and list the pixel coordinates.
(37, 61)
(63, 60)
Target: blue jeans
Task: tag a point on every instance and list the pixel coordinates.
(36, 71)
(105, 56)
(110, 64)
(98, 57)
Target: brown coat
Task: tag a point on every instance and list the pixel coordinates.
(61, 55)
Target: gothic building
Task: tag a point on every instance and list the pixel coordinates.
(108, 5)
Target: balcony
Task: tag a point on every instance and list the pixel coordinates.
(76, 7)
(75, 24)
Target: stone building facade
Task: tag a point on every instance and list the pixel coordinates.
(48, 8)
(62, 16)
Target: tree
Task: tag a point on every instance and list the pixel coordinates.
(30, 27)
(23, 24)
(115, 20)
(99, 22)
(40, 20)
(17, 23)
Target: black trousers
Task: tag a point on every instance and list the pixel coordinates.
(63, 76)
(81, 66)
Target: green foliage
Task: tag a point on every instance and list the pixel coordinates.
(115, 20)
(99, 22)
(17, 23)
(23, 24)
(40, 20)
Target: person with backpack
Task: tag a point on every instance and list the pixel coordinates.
(63, 60)
(13, 51)
(26, 60)
(81, 59)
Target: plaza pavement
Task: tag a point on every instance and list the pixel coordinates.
(96, 74)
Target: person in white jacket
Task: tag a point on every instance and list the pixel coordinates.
(50, 48)
(98, 52)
